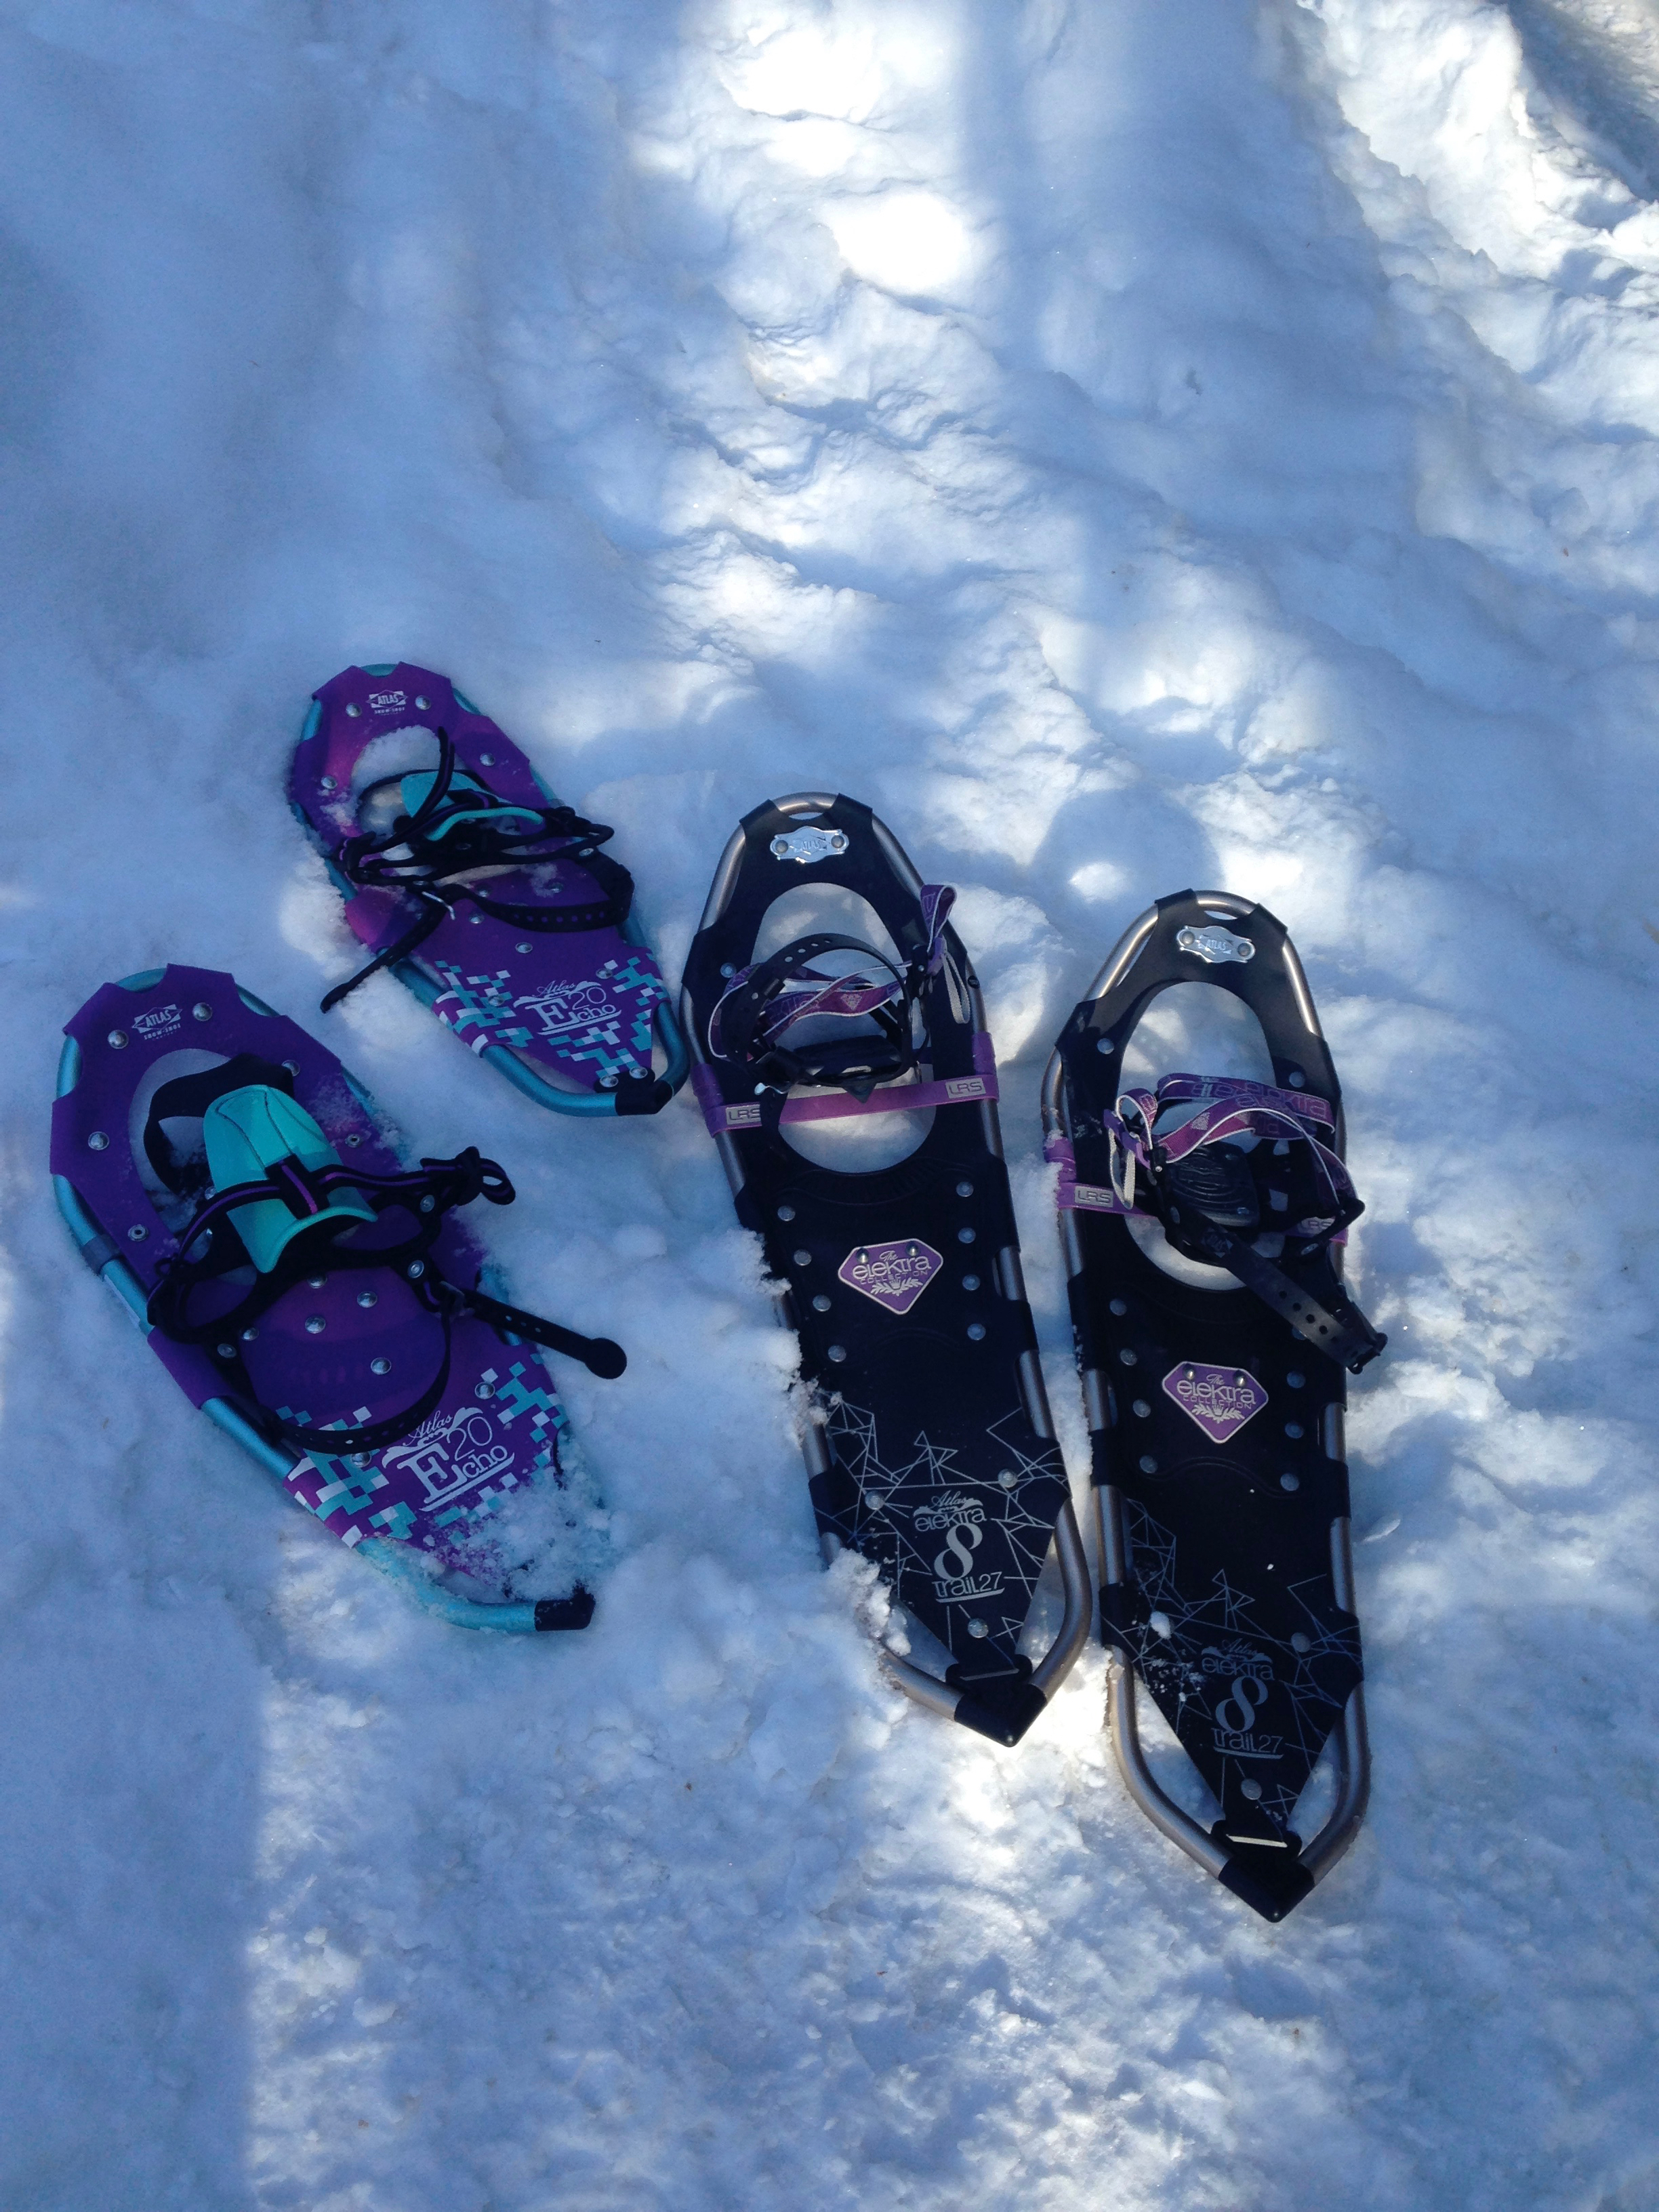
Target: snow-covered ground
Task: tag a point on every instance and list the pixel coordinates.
(1136, 445)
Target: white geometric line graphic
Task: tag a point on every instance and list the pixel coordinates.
(1205, 1648)
(958, 1546)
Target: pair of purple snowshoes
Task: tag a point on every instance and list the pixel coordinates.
(1213, 1376)
(309, 1290)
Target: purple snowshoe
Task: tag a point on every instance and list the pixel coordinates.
(491, 901)
(316, 1298)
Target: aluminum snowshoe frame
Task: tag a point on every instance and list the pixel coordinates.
(220, 1003)
(598, 1013)
(977, 1510)
(1294, 1486)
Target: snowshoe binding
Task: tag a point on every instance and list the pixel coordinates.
(1215, 1403)
(422, 808)
(928, 1444)
(316, 1298)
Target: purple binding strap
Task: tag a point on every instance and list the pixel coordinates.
(836, 1106)
(1229, 1106)
(1075, 1197)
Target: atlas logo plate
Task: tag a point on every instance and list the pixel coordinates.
(1215, 945)
(894, 1275)
(809, 845)
(1220, 1400)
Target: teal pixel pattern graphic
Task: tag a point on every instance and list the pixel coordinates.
(443, 1482)
(598, 1025)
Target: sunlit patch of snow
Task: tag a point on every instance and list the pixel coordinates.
(1130, 447)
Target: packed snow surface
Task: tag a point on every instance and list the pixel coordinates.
(1132, 445)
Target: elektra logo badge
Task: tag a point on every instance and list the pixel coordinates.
(1220, 1400)
(894, 1275)
(945, 1512)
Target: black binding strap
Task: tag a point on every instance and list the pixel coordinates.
(187, 1099)
(210, 1248)
(599, 1354)
(750, 1022)
(1340, 1330)
(1209, 1203)
(416, 856)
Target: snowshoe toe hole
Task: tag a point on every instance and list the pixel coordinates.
(859, 1144)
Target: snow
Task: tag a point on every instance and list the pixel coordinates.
(1131, 447)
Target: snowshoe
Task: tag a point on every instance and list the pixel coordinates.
(928, 1442)
(1215, 1403)
(422, 808)
(316, 1298)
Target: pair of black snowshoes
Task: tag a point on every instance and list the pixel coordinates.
(1215, 1403)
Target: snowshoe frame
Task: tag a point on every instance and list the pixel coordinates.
(279, 1458)
(418, 977)
(1083, 1073)
(809, 1216)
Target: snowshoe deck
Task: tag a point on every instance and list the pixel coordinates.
(314, 1296)
(488, 899)
(929, 1447)
(1216, 1415)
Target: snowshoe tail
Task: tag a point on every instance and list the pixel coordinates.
(495, 904)
(313, 1295)
(928, 1447)
(1216, 1415)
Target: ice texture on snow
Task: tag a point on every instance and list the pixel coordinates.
(1175, 442)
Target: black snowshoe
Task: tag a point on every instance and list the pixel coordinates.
(1215, 1414)
(928, 1444)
